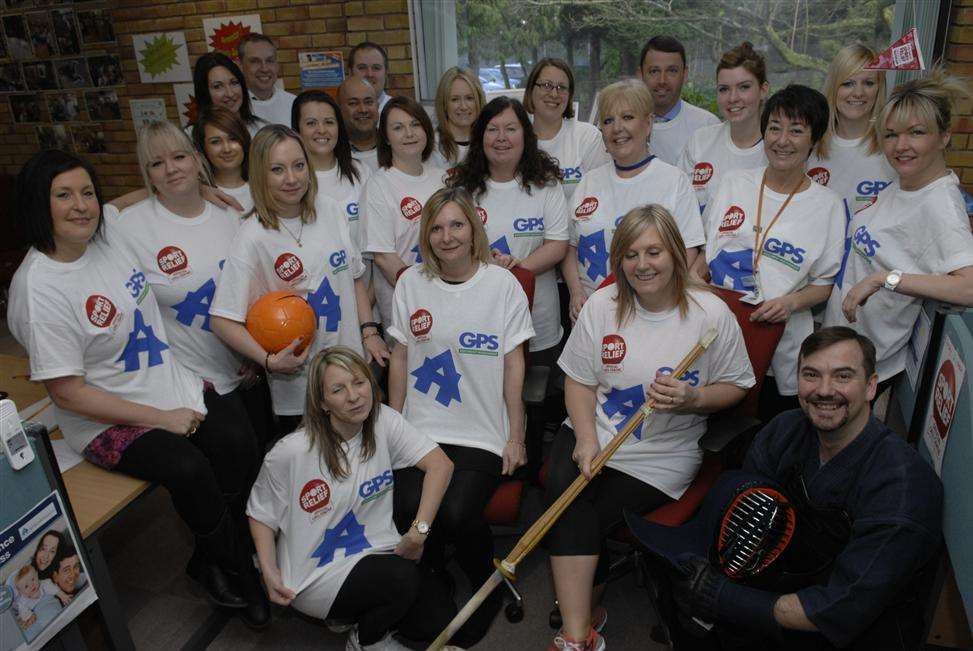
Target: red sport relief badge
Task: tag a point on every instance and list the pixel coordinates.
(420, 323)
(315, 496)
(944, 398)
(586, 208)
(732, 219)
(172, 260)
(819, 175)
(612, 351)
(411, 208)
(482, 214)
(702, 173)
(288, 267)
(100, 310)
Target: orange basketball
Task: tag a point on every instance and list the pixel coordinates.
(278, 318)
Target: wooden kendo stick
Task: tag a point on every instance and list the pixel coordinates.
(508, 566)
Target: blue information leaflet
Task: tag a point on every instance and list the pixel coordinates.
(321, 69)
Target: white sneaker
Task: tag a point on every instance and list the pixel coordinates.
(387, 643)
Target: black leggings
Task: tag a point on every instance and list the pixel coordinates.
(597, 511)
(476, 475)
(204, 473)
(385, 591)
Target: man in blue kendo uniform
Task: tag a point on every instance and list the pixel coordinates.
(868, 513)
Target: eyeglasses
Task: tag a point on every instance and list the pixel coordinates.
(548, 86)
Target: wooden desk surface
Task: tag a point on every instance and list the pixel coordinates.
(96, 495)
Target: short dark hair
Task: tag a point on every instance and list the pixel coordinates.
(253, 37)
(212, 60)
(663, 43)
(342, 148)
(827, 337)
(367, 45)
(32, 196)
(802, 104)
(67, 550)
(536, 71)
(414, 109)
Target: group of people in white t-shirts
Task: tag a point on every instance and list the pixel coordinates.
(414, 245)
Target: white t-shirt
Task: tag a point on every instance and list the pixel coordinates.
(518, 224)
(241, 194)
(367, 157)
(436, 159)
(578, 148)
(181, 259)
(347, 194)
(326, 525)
(804, 247)
(603, 198)
(669, 138)
(277, 109)
(456, 337)
(391, 211)
(850, 171)
(710, 153)
(323, 269)
(622, 363)
(97, 318)
(924, 231)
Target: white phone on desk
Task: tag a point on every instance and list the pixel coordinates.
(14, 439)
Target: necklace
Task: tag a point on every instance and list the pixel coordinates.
(300, 233)
(629, 168)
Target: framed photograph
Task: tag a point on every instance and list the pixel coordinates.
(19, 4)
(26, 108)
(39, 75)
(96, 26)
(18, 44)
(89, 138)
(42, 34)
(64, 107)
(66, 31)
(72, 73)
(54, 136)
(11, 79)
(106, 70)
(103, 105)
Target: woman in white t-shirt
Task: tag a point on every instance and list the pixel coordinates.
(852, 163)
(396, 192)
(296, 239)
(777, 237)
(321, 512)
(519, 201)
(914, 242)
(741, 87)
(576, 146)
(222, 137)
(625, 343)
(97, 340)
(456, 374)
(635, 178)
(459, 98)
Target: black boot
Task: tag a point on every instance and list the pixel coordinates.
(207, 566)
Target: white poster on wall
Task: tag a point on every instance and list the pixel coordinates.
(162, 57)
(950, 371)
(185, 103)
(149, 109)
(224, 33)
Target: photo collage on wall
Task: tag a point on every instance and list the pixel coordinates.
(59, 66)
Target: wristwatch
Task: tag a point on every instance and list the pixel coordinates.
(893, 279)
(422, 527)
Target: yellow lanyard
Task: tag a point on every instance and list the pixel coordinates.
(758, 241)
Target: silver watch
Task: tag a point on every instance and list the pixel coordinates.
(422, 527)
(893, 279)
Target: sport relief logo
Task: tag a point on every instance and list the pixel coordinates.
(377, 486)
(100, 310)
(944, 398)
(411, 208)
(288, 267)
(702, 173)
(315, 498)
(172, 261)
(338, 261)
(612, 352)
(586, 209)
(482, 214)
(732, 220)
(819, 175)
(420, 323)
(478, 343)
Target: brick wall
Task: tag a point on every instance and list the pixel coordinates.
(959, 56)
(295, 25)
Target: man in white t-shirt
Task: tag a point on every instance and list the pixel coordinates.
(258, 60)
(370, 62)
(662, 67)
(359, 108)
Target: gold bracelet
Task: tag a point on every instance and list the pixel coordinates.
(370, 334)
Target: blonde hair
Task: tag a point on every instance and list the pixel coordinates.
(629, 229)
(161, 137)
(264, 205)
(447, 143)
(480, 247)
(849, 61)
(930, 100)
(631, 92)
(321, 434)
